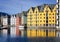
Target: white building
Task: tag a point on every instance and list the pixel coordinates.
(58, 18)
(5, 20)
(13, 26)
(5, 23)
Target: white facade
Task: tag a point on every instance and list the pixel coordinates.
(58, 14)
(5, 20)
(13, 20)
(13, 26)
(58, 19)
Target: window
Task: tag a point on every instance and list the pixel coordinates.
(30, 24)
(43, 14)
(49, 24)
(46, 14)
(53, 17)
(40, 20)
(44, 20)
(40, 24)
(43, 24)
(49, 14)
(49, 20)
(40, 17)
(44, 17)
(36, 11)
(53, 24)
(50, 17)
(53, 20)
(36, 24)
(40, 14)
(46, 24)
(53, 14)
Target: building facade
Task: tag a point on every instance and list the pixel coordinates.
(5, 24)
(23, 18)
(58, 18)
(13, 25)
(43, 16)
(18, 23)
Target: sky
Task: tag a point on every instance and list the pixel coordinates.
(17, 6)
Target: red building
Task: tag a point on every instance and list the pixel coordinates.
(18, 22)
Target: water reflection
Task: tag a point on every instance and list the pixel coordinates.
(25, 39)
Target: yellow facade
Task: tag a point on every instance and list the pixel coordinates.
(45, 18)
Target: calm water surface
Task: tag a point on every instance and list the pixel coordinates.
(25, 39)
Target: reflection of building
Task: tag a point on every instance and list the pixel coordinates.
(40, 17)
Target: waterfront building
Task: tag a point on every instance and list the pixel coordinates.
(18, 23)
(15, 22)
(5, 24)
(23, 18)
(5, 20)
(41, 21)
(58, 19)
(13, 25)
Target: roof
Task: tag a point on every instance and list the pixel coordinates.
(41, 7)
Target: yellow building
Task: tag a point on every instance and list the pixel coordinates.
(41, 21)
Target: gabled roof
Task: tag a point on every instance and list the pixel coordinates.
(41, 7)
